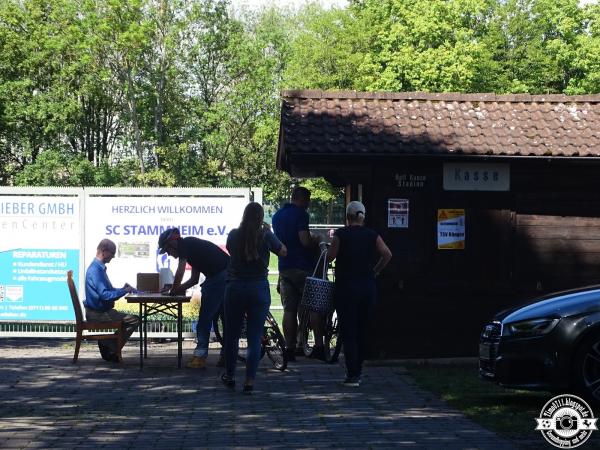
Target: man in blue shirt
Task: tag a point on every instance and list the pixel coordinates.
(290, 224)
(100, 297)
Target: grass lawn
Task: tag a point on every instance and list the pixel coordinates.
(510, 413)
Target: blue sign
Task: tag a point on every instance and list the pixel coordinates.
(33, 284)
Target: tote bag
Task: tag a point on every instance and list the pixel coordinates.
(318, 292)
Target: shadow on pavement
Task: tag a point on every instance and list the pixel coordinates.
(48, 402)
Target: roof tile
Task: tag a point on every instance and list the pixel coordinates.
(418, 123)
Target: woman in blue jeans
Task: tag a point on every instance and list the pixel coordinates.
(247, 291)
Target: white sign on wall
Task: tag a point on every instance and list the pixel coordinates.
(135, 222)
(397, 213)
(476, 177)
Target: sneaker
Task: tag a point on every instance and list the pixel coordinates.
(221, 361)
(196, 363)
(228, 381)
(248, 388)
(351, 382)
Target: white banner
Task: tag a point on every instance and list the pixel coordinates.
(134, 224)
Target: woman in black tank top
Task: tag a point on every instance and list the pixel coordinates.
(360, 255)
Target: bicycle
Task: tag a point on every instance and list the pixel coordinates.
(332, 343)
(272, 342)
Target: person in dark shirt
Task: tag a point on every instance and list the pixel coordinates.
(290, 225)
(360, 256)
(247, 293)
(100, 297)
(206, 258)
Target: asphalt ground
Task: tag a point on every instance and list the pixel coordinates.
(48, 402)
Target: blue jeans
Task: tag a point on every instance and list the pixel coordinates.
(213, 293)
(250, 299)
(354, 301)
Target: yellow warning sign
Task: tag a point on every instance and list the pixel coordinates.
(451, 229)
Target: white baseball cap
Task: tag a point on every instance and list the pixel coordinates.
(355, 209)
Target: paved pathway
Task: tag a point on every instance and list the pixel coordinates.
(47, 402)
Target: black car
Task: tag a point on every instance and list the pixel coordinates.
(552, 343)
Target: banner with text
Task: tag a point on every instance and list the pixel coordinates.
(40, 238)
(134, 224)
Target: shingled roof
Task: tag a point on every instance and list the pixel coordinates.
(321, 123)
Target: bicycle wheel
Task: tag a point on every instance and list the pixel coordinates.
(274, 344)
(333, 344)
(307, 336)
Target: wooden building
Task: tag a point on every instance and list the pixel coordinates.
(485, 200)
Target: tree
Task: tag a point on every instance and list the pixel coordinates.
(586, 57)
(183, 93)
(56, 91)
(127, 34)
(327, 51)
(57, 168)
(534, 43)
(422, 45)
(37, 42)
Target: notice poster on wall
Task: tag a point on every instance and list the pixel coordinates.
(397, 213)
(451, 229)
(135, 222)
(39, 243)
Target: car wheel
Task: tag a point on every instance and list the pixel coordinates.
(586, 369)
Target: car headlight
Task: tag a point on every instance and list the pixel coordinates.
(529, 328)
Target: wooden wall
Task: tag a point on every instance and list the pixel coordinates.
(543, 235)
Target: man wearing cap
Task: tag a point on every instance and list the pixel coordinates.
(100, 297)
(206, 258)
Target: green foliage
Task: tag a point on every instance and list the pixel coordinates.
(586, 56)
(327, 53)
(321, 190)
(534, 43)
(57, 168)
(534, 46)
(180, 166)
(431, 45)
(123, 173)
(183, 93)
